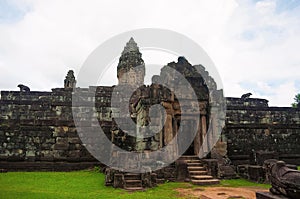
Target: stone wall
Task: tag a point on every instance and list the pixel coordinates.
(39, 127)
(253, 128)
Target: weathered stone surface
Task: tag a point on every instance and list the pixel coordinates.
(118, 180)
(39, 126)
(212, 166)
(257, 128)
(256, 173)
(182, 170)
(268, 195)
(284, 181)
(70, 81)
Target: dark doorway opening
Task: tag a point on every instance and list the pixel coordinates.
(190, 150)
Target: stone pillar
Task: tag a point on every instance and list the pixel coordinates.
(141, 117)
(204, 132)
(161, 142)
(198, 139)
(168, 128)
(118, 180)
(203, 124)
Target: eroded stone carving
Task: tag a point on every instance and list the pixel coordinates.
(246, 96)
(284, 181)
(23, 88)
(70, 81)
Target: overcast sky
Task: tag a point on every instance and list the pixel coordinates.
(255, 45)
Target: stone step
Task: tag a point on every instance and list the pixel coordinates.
(160, 180)
(196, 168)
(189, 157)
(205, 182)
(203, 172)
(132, 176)
(194, 161)
(133, 183)
(134, 188)
(198, 164)
(201, 177)
(198, 173)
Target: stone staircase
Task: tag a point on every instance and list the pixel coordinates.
(133, 181)
(198, 173)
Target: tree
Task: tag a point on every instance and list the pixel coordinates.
(297, 101)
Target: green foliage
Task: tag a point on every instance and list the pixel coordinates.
(297, 100)
(97, 169)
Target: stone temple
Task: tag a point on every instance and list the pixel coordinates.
(38, 129)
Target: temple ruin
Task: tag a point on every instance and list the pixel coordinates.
(38, 132)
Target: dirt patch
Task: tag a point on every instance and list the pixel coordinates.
(220, 192)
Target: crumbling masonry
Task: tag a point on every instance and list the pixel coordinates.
(37, 131)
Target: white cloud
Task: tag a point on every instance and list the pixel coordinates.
(248, 41)
(260, 47)
(266, 6)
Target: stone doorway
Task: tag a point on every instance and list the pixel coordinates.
(190, 150)
(193, 125)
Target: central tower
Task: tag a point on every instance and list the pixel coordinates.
(131, 67)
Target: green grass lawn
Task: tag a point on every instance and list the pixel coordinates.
(79, 184)
(242, 183)
(84, 184)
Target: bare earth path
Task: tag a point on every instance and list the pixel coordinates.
(220, 192)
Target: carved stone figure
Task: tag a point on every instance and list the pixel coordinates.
(284, 181)
(70, 81)
(246, 96)
(23, 88)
